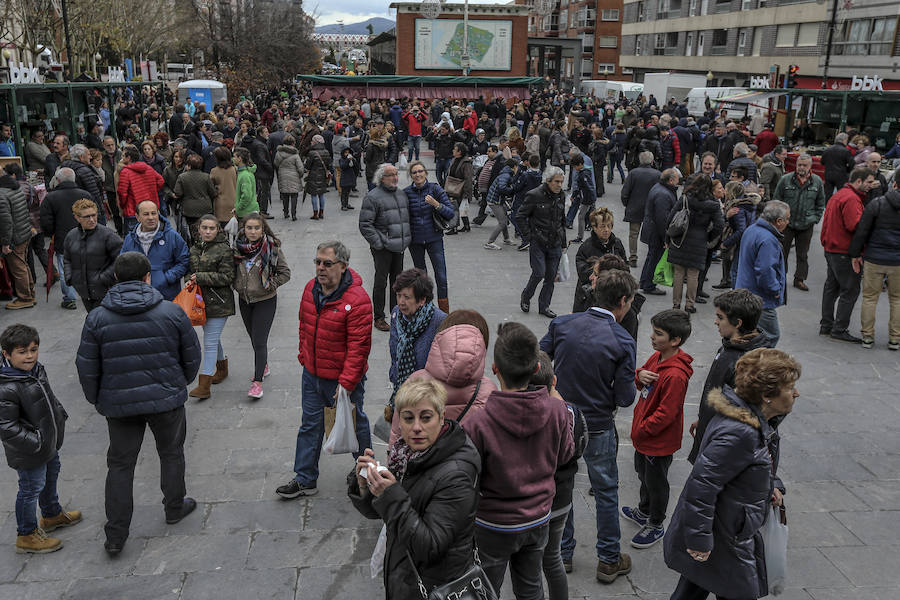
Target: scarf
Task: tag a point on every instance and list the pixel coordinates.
(399, 454)
(408, 331)
(146, 237)
(265, 249)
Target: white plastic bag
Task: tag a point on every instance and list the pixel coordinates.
(775, 541)
(342, 439)
(565, 272)
(232, 229)
(376, 563)
(402, 162)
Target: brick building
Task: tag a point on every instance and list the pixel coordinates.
(498, 40)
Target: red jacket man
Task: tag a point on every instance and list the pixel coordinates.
(137, 182)
(842, 215)
(335, 340)
(413, 119)
(766, 140)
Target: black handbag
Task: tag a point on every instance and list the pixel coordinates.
(472, 585)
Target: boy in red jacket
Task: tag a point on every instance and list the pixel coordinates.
(658, 421)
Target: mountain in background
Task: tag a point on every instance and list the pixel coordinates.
(378, 25)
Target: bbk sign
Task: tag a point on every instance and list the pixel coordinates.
(116, 74)
(23, 74)
(866, 83)
(759, 82)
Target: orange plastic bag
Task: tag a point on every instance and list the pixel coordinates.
(190, 300)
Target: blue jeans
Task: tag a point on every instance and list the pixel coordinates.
(212, 344)
(316, 394)
(573, 210)
(600, 458)
(617, 164)
(441, 169)
(544, 264)
(37, 486)
(768, 324)
(414, 145)
(318, 201)
(68, 292)
(435, 252)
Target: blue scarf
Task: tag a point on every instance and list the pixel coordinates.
(408, 331)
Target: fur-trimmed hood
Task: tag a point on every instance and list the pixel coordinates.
(721, 404)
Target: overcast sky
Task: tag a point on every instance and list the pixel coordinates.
(354, 11)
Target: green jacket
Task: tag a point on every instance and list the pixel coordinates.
(807, 202)
(213, 264)
(245, 195)
(196, 191)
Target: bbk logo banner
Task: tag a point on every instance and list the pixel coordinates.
(759, 82)
(23, 74)
(866, 83)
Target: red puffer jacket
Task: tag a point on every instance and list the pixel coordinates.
(138, 182)
(335, 343)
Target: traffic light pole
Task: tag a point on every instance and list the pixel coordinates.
(831, 28)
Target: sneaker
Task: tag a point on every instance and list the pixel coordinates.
(894, 345)
(523, 246)
(16, 305)
(266, 372)
(295, 489)
(647, 536)
(488, 246)
(63, 519)
(576, 240)
(607, 572)
(255, 391)
(187, 508)
(509, 242)
(635, 515)
(37, 542)
(869, 343)
(69, 305)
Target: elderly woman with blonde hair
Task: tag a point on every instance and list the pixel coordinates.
(426, 495)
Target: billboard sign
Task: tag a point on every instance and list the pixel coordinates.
(439, 44)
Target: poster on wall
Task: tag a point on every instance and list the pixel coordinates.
(439, 44)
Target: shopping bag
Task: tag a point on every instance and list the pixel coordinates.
(565, 270)
(342, 439)
(190, 299)
(663, 275)
(376, 563)
(775, 541)
(402, 162)
(382, 429)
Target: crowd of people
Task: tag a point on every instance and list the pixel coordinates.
(474, 467)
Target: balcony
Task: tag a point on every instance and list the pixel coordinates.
(719, 51)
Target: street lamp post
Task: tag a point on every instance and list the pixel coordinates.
(65, 17)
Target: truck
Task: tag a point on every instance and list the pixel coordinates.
(663, 86)
(604, 88)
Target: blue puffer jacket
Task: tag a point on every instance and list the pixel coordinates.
(878, 231)
(137, 353)
(524, 182)
(421, 214)
(169, 257)
(501, 187)
(761, 263)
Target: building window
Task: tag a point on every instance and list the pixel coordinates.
(641, 14)
(668, 8)
(808, 34)
(586, 67)
(609, 14)
(627, 71)
(564, 19)
(607, 41)
(757, 41)
(609, 67)
(866, 37)
(786, 35)
(742, 43)
(692, 8)
(719, 42)
(689, 45)
(746, 4)
(637, 46)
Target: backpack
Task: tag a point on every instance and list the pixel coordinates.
(678, 226)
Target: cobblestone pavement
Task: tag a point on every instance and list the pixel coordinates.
(840, 457)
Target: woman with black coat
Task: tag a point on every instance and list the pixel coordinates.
(427, 496)
(601, 241)
(713, 540)
(687, 253)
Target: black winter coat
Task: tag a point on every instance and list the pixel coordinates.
(590, 248)
(706, 224)
(430, 512)
(725, 502)
(635, 191)
(32, 421)
(878, 231)
(660, 200)
(721, 373)
(316, 165)
(57, 219)
(132, 329)
(542, 218)
(838, 162)
(88, 258)
(260, 155)
(87, 179)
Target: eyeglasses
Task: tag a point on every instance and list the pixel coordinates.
(392, 174)
(417, 171)
(325, 263)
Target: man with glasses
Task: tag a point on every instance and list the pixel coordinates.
(384, 222)
(335, 340)
(57, 220)
(761, 264)
(89, 253)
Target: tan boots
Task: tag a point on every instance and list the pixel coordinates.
(221, 371)
(202, 390)
(37, 542)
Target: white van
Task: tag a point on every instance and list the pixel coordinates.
(603, 88)
(696, 103)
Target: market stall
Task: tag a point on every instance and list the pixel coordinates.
(409, 86)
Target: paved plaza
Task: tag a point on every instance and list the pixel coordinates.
(840, 455)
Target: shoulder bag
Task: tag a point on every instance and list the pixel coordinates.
(678, 226)
(471, 401)
(454, 186)
(472, 585)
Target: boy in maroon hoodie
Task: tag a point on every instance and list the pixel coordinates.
(658, 421)
(523, 436)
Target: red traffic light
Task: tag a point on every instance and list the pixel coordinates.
(793, 69)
